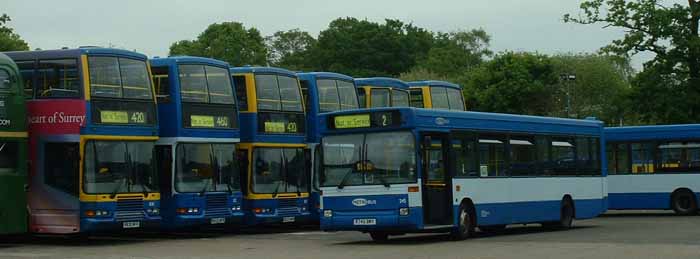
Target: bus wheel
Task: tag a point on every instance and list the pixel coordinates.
(379, 236)
(566, 217)
(466, 224)
(683, 202)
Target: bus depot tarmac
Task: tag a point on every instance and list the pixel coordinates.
(638, 234)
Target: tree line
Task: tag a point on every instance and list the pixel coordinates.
(575, 85)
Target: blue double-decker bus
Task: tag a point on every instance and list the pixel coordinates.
(92, 126)
(199, 171)
(376, 92)
(274, 159)
(323, 92)
(432, 94)
(392, 171)
(654, 167)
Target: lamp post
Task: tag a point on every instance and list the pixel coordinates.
(567, 79)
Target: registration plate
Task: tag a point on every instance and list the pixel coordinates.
(132, 224)
(364, 222)
(288, 219)
(215, 221)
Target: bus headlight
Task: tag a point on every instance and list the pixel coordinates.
(153, 211)
(328, 213)
(96, 213)
(403, 211)
(188, 210)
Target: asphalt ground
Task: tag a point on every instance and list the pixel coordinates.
(637, 234)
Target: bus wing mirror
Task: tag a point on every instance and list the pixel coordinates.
(427, 141)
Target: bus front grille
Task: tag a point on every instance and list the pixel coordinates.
(129, 210)
(217, 205)
(287, 207)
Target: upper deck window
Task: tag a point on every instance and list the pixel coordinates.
(57, 79)
(114, 77)
(416, 98)
(380, 98)
(439, 98)
(454, 96)
(205, 84)
(278, 93)
(5, 80)
(336, 95)
(399, 98)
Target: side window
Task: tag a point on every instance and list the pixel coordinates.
(563, 156)
(523, 156)
(583, 156)
(380, 98)
(362, 98)
(26, 68)
(464, 150)
(416, 98)
(162, 83)
(240, 84)
(454, 96)
(642, 158)
(58, 79)
(439, 98)
(492, 155)
(8, 157)
(61, 172)
(678, 156)
(622, 158)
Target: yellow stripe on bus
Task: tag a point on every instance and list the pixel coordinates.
(86, 76)
(13, 134)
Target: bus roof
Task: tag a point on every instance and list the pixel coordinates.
(382, 82)
(188, 60)
(444, 120)
(681, 131)
(431, 83)
(324, 75)
(264, 70)
(5, 60)
(72, 53)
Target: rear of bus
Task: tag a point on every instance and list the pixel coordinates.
(93, 126)
(368, 172)
(273, 154)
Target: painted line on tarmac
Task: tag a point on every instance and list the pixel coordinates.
(27, 255)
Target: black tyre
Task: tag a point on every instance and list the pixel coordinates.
(566, 216)
(466, 224)
(683, 202)
(379, 236)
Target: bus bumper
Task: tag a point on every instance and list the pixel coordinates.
(185, 221)
(93, 225)
(374, 220)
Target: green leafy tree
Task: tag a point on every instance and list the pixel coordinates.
(600, 86)
(670, 32)
(227, 41)
(513, 82)
(362, 48)
(290, 49)
(9, 40)
(457, 52)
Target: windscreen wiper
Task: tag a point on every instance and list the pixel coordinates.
(383, 181)
(277, 188)
(116, 190)
(344, 181)
(206, 186)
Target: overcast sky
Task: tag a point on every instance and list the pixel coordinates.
(151, 26)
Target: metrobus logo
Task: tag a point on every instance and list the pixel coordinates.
(4, 122)
(361, 202)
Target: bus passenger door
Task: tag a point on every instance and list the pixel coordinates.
(436, 180)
